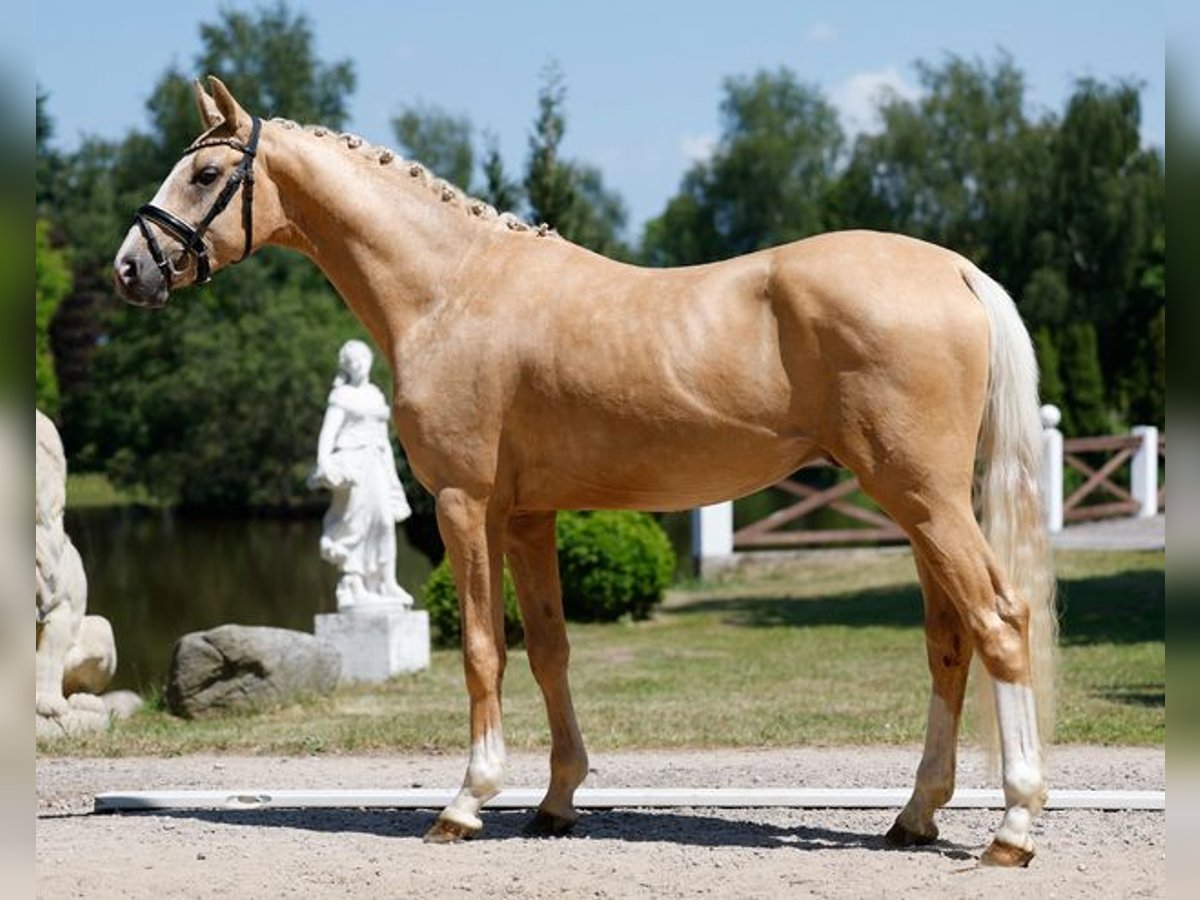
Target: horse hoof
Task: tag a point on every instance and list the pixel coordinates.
(900, 836)
(546, 824)
(1005, 855)
(443, 831)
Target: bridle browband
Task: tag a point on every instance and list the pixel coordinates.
(192, 238)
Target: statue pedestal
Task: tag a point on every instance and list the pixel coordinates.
(377, 640)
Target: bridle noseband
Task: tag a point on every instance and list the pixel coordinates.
(192, 238)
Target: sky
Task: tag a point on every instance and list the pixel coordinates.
(644, 79)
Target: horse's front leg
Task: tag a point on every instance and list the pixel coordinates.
(474, 539)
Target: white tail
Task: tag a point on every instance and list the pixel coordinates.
(1010, 455)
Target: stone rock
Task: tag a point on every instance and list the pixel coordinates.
(240, 668)
(121, 704)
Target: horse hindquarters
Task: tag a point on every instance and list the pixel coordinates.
(1001, 591)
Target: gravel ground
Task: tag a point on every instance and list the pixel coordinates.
(618, 853)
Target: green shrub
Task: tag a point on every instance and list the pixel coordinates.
(440, 600)
(613, 564)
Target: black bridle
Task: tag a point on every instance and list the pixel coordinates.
(192, 238)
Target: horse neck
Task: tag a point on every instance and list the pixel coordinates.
(383, 239)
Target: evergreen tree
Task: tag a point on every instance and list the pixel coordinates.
(1083, 385)
(549, 185)
(1146, 385)
(1109, 205)
(1050, 386)
(568, 196)
(439, 140)
(498, 189)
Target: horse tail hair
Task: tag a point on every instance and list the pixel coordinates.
(1009, 456)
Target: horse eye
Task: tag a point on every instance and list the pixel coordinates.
(206, 176)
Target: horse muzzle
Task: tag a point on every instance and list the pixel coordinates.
(139, 281)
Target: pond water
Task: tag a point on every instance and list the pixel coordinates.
(157, 576)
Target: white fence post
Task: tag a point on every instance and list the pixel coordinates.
(712, 536)
(1143, 471)
(1052, 467)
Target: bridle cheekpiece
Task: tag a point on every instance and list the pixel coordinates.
(192, 238)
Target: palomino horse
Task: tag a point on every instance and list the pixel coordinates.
(532, 375)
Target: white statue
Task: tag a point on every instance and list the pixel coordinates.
(354, 460)
(76, 655)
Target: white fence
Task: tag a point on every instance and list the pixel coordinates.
(1140, 448)
(713, 531)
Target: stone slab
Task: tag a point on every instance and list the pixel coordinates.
(612, 798)
(378, 641)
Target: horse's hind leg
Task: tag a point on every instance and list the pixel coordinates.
(533, 559)
(936, 512)
(948, 647)
(997, 618)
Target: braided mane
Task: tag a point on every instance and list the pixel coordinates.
(446, 192)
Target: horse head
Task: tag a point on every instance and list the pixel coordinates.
(194, 225)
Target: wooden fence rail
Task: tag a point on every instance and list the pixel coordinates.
(769, 531)
(1098, 477)
(1083, 479)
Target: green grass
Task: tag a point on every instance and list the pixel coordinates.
(828, 651)
(86, 490)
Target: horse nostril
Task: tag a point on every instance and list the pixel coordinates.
(128, 270)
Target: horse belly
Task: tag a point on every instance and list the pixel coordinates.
(688, 403)
(601, 461)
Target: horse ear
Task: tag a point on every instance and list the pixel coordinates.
(228, 108)
(210, 116)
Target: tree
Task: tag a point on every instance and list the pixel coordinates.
(768, 180)
(570, 197)
(49, 162)
(1083, 383)
(498, 188)
(439, 140)
(52, 282)
(549, 183)
(1145, 384)
(1050, 386)
(597, 216)
(211, 407)
(961, 165)
(1109, 203)
(267, 57)
(215, 401)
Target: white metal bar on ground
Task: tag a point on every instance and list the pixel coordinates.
(609, 798)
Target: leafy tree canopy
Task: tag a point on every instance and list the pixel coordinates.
(767, 182)
(52, 282)
(439, 140)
